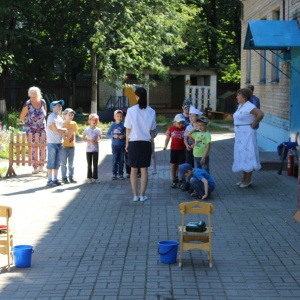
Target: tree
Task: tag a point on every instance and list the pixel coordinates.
(136, 35)
(10, 13)
(212, 38)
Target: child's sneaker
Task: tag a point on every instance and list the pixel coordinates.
(57, 182)
(51, 183)
(174, 185)
(96, 180)
(114, 177)
(143, 198)
(136, 198)
(121, 177)
(89, 180)
(65, 181)
(72, 180)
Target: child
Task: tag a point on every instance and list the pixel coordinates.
(117, 132)
(201, 182)
(194, 115)
(202, 143)
(186, 111)
(177, 155)
(68, 150)
(92, 135)
(55, 133)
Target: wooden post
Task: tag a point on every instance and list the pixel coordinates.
(11, 172)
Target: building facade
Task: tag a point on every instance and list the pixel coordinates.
(270, 61)
(197, 84)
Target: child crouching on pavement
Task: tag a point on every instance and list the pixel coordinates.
(200, 181)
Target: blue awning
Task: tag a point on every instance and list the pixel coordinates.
(272, 35)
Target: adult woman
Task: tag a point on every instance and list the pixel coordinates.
(140, 124)
(33, 115)
(246, 157)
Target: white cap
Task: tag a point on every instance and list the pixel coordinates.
(117, 111)
(195, 111)
(179, 118)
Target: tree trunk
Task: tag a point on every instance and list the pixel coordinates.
(94, 83)
(2, 96)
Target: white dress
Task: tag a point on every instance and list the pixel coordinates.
(246, 155)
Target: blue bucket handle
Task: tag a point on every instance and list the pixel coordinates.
(174, 246)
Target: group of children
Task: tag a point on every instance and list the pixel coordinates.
(61, 136)
(189, 155)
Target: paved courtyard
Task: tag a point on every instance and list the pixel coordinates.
(91, 241)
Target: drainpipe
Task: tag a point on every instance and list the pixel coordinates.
(283, 10)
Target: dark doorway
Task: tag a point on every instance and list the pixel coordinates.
(177, 91)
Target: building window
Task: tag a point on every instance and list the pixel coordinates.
(263, 66)
(275, 67)
(248, 66)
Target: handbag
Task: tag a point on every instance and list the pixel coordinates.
(196, 226)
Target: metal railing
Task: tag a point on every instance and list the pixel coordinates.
(115, 102)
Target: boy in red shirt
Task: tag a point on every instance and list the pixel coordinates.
(177, 154)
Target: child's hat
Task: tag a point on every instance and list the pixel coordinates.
(187, 103)
(69, 110)
(52, 104)
(117, 111)
(182, 169)
(195, 111)
(179, 118)
(93, 116)
(202, 120)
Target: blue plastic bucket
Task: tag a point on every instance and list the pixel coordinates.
(168, 251)
(22, 256)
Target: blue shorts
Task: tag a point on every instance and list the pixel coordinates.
(54, 156)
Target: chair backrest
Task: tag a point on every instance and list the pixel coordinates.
(6, 212)
(196, 207)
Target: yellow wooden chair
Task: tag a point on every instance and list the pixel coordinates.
(196, 240)
(6, 235)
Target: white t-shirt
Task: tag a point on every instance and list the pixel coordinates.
(242, 116)
(140, 121)
(54, 137)
(92, 135)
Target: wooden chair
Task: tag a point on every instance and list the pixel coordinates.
(6, 235)
(196, 240)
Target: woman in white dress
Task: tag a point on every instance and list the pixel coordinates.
(246, 156)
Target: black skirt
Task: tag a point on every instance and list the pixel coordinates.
(139, 154)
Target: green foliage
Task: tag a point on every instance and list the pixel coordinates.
(11, 120)
(136, 37)
(55, 39)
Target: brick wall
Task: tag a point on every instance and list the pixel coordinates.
(275, 97)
